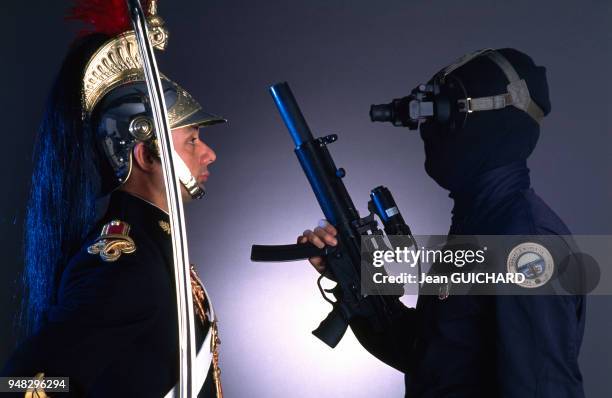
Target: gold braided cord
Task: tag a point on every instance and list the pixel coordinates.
(201, 305)
(215, 362)
(199, 297)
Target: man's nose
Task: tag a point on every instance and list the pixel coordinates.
(208, 156)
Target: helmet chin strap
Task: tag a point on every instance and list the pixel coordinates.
(187, 180)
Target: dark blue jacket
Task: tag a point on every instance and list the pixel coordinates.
(489, 346)
(113, 330)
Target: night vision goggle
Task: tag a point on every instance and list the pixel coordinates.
(446, 101)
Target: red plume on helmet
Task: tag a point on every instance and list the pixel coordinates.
(104, 16)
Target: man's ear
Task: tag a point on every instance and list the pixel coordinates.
(143, 158)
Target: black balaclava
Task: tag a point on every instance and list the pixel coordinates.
(488, 139)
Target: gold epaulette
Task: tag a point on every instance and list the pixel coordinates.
(113, 241)
(36, 392)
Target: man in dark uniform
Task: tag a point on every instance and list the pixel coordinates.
(485, 346)
(101, 304)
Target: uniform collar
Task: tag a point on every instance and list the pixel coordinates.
(126, 205)
(486, 193)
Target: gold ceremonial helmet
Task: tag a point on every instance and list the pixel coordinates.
(115, 98)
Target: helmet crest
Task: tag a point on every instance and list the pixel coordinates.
(105, 16)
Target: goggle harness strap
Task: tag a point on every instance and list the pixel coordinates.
(517, 94)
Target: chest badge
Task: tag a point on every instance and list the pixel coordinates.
(165, 226)
(113, 241)
(534, 261)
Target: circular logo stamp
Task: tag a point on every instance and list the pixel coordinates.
(532, 260)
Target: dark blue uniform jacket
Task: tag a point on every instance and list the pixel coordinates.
(113, 330)
(489, 346)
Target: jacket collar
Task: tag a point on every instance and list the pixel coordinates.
(480, 199)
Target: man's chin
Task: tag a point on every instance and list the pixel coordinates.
(186, 196)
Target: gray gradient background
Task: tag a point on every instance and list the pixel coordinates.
(339, 57)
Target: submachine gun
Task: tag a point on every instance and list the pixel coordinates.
(344, 261)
